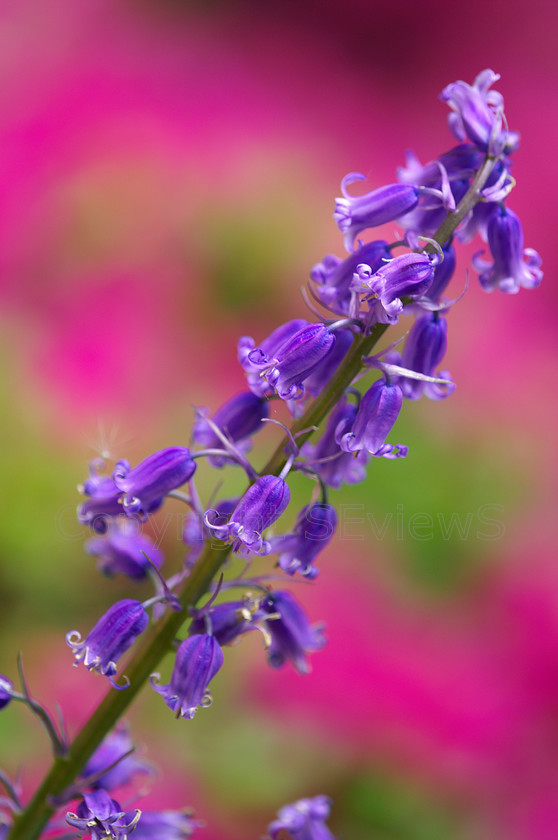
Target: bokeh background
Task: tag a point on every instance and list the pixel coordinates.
(168, 172)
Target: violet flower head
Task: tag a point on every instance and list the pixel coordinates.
(165, 825)
(292, 362)
(333, 276)
(6, 688)
(238, 419)
(255, 358)
(230, 620)
(113, 749)
(477, 114)
(103, 502)
(110, 638)
(375, 418)
(292, 635)
(407, 275)
(103, 817)
(354, 214)
(122, 550)
(152, 479)
(424, 350)
(334, 466)
(303, 820)
(513, 265)
(197, 661)
(261, 505)
(313, 530)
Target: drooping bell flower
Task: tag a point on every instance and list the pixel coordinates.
(261, 505)
(103, 502)
(333, 276)
(111, 764)
(354, 214)
(477, 113)
(237, 419)
(292, 362)
(313, 530)
(123, 550)
(228, 621)
(424, 350)
(114, 633)
(254, 358)
(409, 275)
(315, 383)
(103, 817)
(334, 466)
(198, 659)
(375, 418)
(303, 820)
(166, 825)
(513, 266)
(153, 478)
(292, 635)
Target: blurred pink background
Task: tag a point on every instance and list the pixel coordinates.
(168, 172)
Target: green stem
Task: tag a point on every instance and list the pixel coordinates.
(157, 641)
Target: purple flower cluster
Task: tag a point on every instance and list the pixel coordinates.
(361, 295)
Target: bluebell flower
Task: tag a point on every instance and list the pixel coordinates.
(333, 276)
(375, 418)
(303, 820)
(424, 349)
(293, 361)
(116, 745)
(6, 689)
(407, 275)
(237, 419)
(165, 825)
(292, 635)
(153, 478)
(103, 502)
(123, 550)
(513, 265)
(255, 358)
(103, 817)
(230, 620)
(114, 633)
(197, 661)
(313, 530)
(334, 466)
(477, 114)
(354, 214)
(261, 505)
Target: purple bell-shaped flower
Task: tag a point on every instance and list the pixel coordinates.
(254, 359)
(153, 478)
(237, 419)
(424, 350)
(292, 635)
(292, 362)
(110, 638)
(376, 415)
(334, 466)
(513, 265)
(197, 661)
(303, 820)
(313, 530)
(262, 504)
(123, 550)
(103, 817)
(354, 214)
